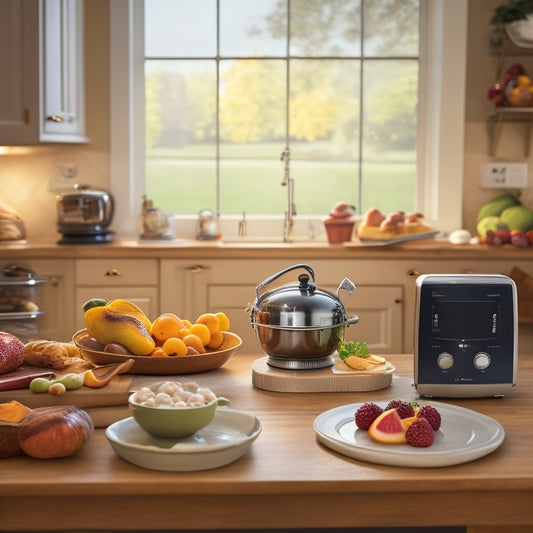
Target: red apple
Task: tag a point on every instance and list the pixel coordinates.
(11, 352)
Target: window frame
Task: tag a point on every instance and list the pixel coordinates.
(440, 145)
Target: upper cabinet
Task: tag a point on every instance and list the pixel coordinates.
(41, 57)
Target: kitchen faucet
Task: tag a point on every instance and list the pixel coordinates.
(291, 207)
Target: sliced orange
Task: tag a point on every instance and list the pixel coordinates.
(175, 346)
(210, 320)
(223, 320)
(388, 428)
(202, 331)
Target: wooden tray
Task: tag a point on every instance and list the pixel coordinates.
(320, 380)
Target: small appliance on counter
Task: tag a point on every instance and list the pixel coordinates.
(466, 335)
(84, 217)
(298, 325)
(20, 305)
(207, 226)
(155, 224)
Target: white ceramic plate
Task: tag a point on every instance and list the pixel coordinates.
(227, 438)
(464, 436)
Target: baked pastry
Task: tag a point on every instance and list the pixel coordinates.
(11, 226)
(56, 355)
(376, 226)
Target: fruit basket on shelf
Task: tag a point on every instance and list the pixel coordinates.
(515, 90)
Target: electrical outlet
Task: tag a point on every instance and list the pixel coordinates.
(68, 170)
(504, 175)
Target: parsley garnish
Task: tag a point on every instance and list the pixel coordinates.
(360, 349)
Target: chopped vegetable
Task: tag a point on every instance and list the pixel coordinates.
(359, 349)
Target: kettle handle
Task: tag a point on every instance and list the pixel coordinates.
(276, 276)
(345, 284)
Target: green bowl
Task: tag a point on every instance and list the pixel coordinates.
(177, 422)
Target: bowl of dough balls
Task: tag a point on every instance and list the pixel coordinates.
(173, 409)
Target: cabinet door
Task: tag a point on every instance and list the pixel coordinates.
(62, 76)
(230, 286)
(19, 68)
(42, 68)
(144, 297)
(134, 280)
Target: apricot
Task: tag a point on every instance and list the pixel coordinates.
(165, 326)
(158, 352)
(202, 331)
(223, 321)
(210, 320)
(194, 342)
(216, 341)
(175, 346)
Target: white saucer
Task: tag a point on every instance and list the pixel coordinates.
(464, 436)
(228, 437)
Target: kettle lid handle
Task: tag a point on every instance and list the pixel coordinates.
(276, 276)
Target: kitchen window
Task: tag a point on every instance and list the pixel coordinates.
(206, 95)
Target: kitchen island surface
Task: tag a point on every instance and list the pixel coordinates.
(287, 479)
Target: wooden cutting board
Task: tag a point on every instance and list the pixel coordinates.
(116, 392)
(320, 380)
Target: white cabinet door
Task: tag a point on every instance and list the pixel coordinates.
(62, 73)
(42, 68)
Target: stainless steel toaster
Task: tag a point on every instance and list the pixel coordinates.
(466, 335)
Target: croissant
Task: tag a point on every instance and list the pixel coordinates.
(56, 355)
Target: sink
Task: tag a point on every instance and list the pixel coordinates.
(263, 240)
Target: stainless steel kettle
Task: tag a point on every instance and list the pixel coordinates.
(299, 325)
(84, 215)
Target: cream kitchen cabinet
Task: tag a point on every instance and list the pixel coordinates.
(190, 289)
(134, 280)
(41, 54)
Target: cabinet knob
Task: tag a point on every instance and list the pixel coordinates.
(54, 282)
(54, 118)
(113, 272)
(196, 269)
(413, 273)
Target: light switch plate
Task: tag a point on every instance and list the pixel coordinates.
(504, 175)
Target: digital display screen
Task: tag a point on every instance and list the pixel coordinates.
(466, 320)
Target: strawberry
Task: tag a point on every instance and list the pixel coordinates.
(431, 415)
(405, 410)
(366, 414)
(420, 434)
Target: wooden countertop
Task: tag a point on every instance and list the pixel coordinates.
(192, 249)
(287, 479)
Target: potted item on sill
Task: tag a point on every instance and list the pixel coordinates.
(340, 223)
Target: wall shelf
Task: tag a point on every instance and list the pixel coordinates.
(509, 114)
